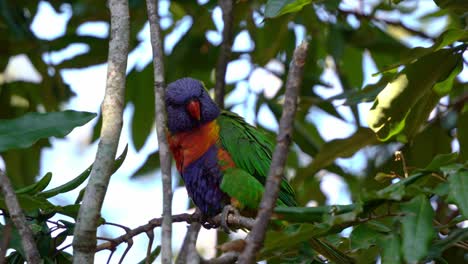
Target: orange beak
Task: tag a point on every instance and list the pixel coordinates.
(193, 107)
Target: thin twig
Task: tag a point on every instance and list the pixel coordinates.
(17, 216)
(233, 220)
(160, 109)
(225, 53)
(386, 21)
(84, 241)
(188, 252)
(257, 235)
(399, 156)
(226, 258)
(150, 234)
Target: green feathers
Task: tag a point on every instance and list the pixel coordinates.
(251, 150)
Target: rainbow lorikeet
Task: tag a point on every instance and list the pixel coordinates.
(222, 159)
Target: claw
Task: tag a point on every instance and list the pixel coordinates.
(224, 217)
(206, 223)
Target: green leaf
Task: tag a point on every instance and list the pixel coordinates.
(440, 246)
(458, 6)
(24, 131)
(177, 11)
(363, 237)
(446, 38)
(29, 202)
(418, 116)
(69, 210)
(458, 186)
(151, 163)
(141, 95)
(63, 258)
(397, 190)
(432, 141)
(462, 135)
(449, 37)
(390, 249)
(153, 255)
(342, 148)
(351, 67)
(60, 238)
(36, 187)
(417, 229)
(444, 87)
(15, 238)
(442, 189)
(441, 160)
(311, 214)
(393, 104)
(275, 8)
(366, 94)
(71, 185)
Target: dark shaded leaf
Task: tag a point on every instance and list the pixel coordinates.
(458, 191)
(22, 165)
(154, 254)
(29, 202)
(391, 107)
(458, 6)
(462, 135)
(151, 163)
(36, 187)
(275, 8)
(140, 92)
(363, 237)
(417, 229)
(397, 190)
(432, 141)
(24, 131)
(390, 249)
(311, 214)
(441, 160)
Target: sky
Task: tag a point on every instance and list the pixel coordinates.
(135, 202)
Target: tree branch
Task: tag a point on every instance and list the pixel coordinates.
(160, 108)
(188, 252)
(84, 241)
(225, 54)
(226, 258)
(17, 216)
(386, 21)
(257, 235)
(232, 220)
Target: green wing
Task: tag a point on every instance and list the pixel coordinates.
(239, 184)
(251, 150)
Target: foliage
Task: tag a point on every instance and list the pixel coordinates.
(412, 210)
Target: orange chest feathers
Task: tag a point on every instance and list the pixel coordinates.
(187, 147)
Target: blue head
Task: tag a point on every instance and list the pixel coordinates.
(188, 105)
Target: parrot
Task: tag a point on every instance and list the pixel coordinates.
(223, 160)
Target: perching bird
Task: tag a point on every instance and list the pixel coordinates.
(223, 160)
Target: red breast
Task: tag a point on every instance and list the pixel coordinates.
(189, 146)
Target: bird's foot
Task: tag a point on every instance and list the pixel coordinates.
(228, 209)
(208, 223)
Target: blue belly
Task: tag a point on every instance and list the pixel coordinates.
(203, 179)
